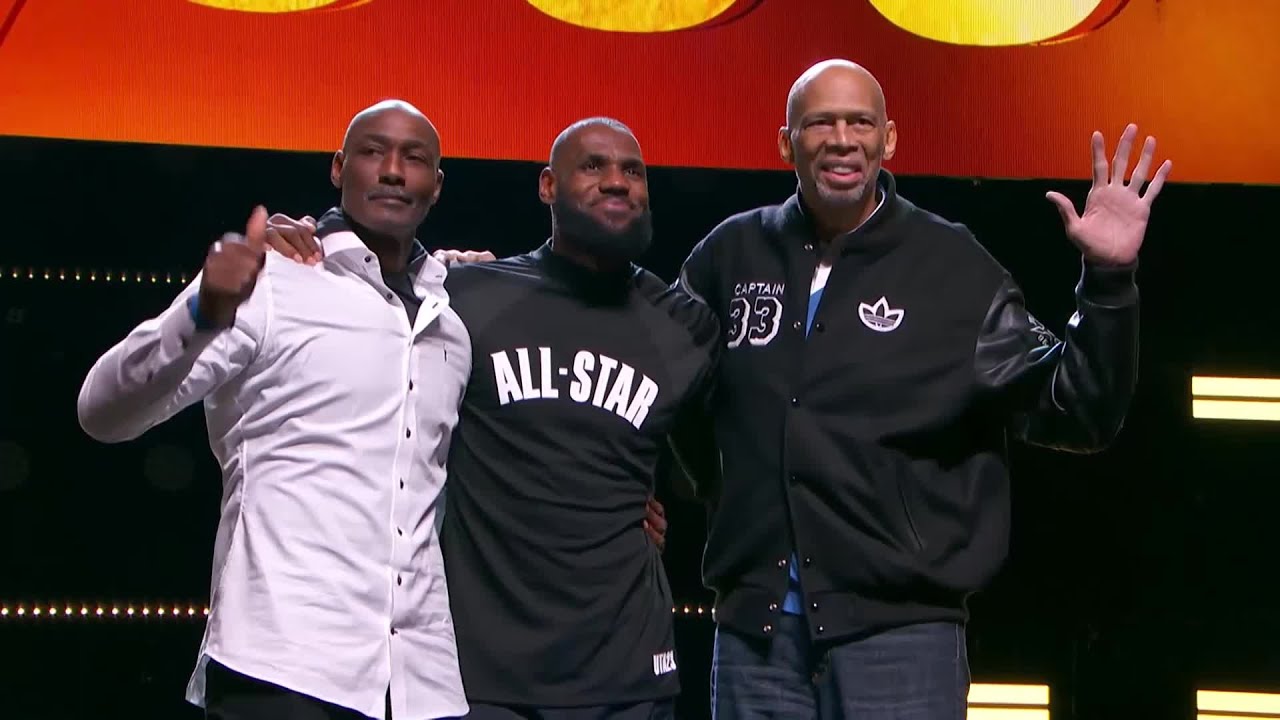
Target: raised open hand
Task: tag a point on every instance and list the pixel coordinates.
(1114, 221)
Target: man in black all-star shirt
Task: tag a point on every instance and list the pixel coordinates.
(581, 362)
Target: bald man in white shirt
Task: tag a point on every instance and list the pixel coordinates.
(331, 392)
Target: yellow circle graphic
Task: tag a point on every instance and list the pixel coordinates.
(266, 6)
(638, 16)
(986, 22)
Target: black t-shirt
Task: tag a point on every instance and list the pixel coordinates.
(401, 283)
(558, 597)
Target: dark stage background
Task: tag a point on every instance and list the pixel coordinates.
(1135, 576)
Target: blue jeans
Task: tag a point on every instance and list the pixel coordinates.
(917, 672)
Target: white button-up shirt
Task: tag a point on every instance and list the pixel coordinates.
(331, 418)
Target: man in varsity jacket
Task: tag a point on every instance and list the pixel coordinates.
(580, 362)
(876, 357)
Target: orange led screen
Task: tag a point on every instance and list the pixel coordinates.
(978, 87)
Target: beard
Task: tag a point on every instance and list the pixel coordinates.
(843, 198)
(591, 236)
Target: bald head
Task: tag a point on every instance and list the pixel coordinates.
(425, 129)
(597, 187)
(837, 136)
(389, 169)
(570, 135)
(831, 77)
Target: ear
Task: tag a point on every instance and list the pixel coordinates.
(335, 169)
(547, 186)
(890, 140)
(435, 196)
(785, 150)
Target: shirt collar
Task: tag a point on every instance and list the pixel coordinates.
(337, 236)
(590, 283)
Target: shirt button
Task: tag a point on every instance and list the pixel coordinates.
(808, 562)
(797, 325)
(402, 483)
(388, 297)
(767, 629)
(773, 607)
(399, 531)
(400, 581)
(410, 384)
(808, 247)
(795, 402)
(819, 327)
(814, 607)
(368, 258)
(394, 631)
(782, 563)
(821, 629)
(408, 432)
(795, 479)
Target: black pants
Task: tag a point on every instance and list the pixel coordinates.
(232, 696)
(653, 710)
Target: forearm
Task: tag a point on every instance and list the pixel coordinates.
(143, 379)
(1097, 369)
(695, 474)
(1070, 394)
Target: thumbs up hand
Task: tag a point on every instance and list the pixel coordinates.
(231, 271)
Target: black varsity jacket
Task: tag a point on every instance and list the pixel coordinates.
(875, 446)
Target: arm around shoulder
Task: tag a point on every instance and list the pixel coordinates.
(696, 472)
(697, 274)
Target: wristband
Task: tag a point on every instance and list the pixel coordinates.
(193, 305)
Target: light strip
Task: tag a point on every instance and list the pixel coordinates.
(1015, 713)
(994, 694)
(93, 275)
(1235, 398)
(1235, 387)
(980, 694)
(694, 610)
(99, 610)
(993, 701)
(1223, 701)
(1262, 410)
(14, 610)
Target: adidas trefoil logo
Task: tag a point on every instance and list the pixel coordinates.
(880, 317)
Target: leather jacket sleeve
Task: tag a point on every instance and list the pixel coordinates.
(1072, 393)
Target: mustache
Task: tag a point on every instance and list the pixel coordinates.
(387, 193)
(632, 205)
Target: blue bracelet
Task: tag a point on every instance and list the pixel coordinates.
(193, 306)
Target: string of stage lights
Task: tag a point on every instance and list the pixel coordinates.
(172, 611)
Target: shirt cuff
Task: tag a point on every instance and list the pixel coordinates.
(181, 332)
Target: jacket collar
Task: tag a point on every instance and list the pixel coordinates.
(795, 220)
